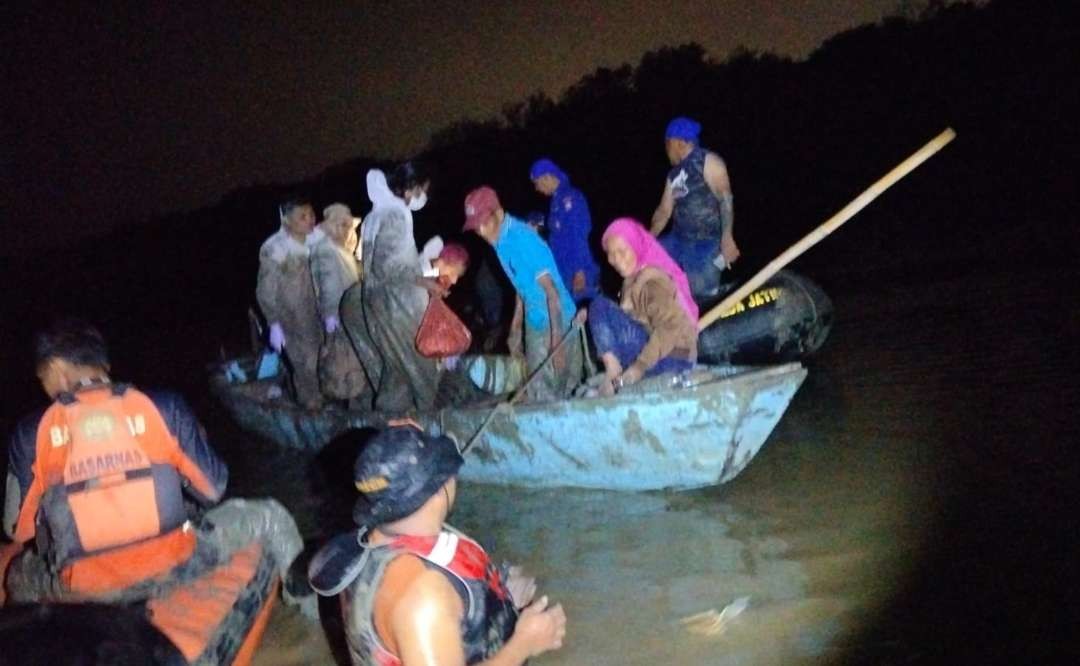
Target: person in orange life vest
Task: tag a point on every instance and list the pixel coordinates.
(414, 590)
(97, 485)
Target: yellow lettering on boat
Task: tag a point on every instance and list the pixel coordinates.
(755, 299)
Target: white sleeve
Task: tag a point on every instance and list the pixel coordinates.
(432, 249)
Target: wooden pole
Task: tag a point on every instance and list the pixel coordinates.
(829, 226)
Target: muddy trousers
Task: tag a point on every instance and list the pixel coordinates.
(553, 382)
(258, 538)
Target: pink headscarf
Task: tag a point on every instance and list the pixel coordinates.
(650, 253)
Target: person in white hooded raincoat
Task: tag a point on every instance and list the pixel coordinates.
(393, 295)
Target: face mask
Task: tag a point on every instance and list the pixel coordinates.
(416, 203)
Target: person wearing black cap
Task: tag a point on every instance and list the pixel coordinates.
(697, 194)
(415, 590)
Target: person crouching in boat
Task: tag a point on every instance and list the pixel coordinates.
(96, 507)
(653, 328)
(333, 270)
(544, 307)
(413, 589)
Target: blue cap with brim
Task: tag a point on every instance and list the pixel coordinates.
(683, 128)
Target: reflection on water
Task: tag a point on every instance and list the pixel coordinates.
(855, 533)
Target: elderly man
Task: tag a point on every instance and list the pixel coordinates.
(543, 304)
(286, 295)
(698, 195)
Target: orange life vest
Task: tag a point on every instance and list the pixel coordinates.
(112, 510)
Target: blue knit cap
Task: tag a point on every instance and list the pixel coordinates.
(683, 128)
(545, 167)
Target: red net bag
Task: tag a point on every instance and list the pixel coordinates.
(441, 333)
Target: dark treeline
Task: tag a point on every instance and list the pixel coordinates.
(800, 140)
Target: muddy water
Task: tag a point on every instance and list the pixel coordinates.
(905, 509)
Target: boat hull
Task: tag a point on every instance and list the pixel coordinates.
(662, 434)
(678, 438)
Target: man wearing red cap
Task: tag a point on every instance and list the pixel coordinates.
(543, 306)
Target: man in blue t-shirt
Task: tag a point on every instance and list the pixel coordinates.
(568, 225)
(543, 305)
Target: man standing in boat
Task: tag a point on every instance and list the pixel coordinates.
(697, 194)
(568, 227)
(286, 295)
(97, 506)
(413, 589)
(544, 308)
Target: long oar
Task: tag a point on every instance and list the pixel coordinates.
(521, 390)
(830, 225)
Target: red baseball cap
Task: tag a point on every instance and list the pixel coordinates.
(478, 205)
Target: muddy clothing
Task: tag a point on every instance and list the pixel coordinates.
(101, 479)
(355, 327)
(210, 604)
(334, 270)
(697, 224)
(394, 304)
(489, 618)
(552, 383)
(286, 294)
(615, 332)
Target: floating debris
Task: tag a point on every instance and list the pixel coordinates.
(712, 623)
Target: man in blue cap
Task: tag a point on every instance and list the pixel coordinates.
(415, 590)
(568, 225)
(697, 194)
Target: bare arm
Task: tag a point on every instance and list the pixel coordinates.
(662, 214)
(426, 623)
(716, 177)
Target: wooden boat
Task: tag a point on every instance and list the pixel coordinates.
(692, 430)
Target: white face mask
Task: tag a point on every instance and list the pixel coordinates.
(416, 203)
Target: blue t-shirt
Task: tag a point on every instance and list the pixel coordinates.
(568, 226)
(525, 257)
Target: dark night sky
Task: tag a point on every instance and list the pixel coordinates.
(125, 113)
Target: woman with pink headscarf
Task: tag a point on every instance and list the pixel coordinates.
(653, 328)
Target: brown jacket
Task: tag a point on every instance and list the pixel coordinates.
(649, 297)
